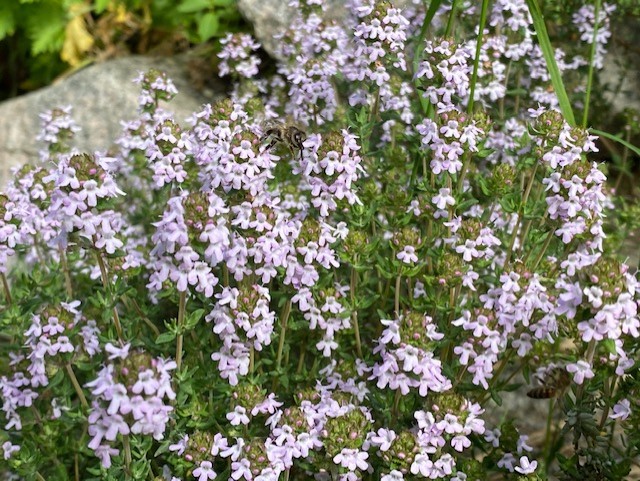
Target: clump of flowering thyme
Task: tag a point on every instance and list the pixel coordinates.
(206, 302)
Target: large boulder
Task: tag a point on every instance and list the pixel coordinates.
(101, 95)
(272, 17)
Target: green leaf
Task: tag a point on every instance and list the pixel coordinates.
(367, 301)
(166, 337)
(193, 319)
(617, 139)
(7, 21)
(101, 5)
(552, 66)
(482, 183)
(222, 3)
(609, 345)
(56, 379)
(208, 26)
(465, 205)
(192, 6)
(46, 28)
(509, 204)
(484, 153)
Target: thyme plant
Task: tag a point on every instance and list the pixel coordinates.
(202, 302)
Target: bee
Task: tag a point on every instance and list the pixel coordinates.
(286, 134)
(553, 384)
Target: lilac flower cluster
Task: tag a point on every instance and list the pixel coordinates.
(130, 395)
(314, 51)
(575, 187)
(244, 322)
(585, 21)
(56, 337)
(406, 348)
(236, 56)
(449, 138)
(154, 86)
(79, 183)
(446, 71)
(252, 232)
(427, 450)
(328, 315)
(380, 36)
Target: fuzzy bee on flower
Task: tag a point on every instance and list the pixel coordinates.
(284, 133)
(554, 381)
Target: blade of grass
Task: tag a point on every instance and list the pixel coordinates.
(549, 57)
(616, 139)
(419, 47)
(476, 62)
(592, 56)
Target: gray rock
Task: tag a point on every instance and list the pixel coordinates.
(269, 17)
(101, 95)
(621, 71)
(272, 17)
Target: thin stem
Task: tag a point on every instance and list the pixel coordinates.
(547, 241)
(67, 276)
(39, 476)
(146, 320)
(76, 386)
(396, 404)
(179, 340)
(303, 352)
(591, 350)
(496, 376)
(425, 104)
(354, 312)
(373, 113)
(506, 87)
(419, 49)
(105, 284)
(284, 318)
(5, 286)
(512, 242)
(523, 205)
(456, 295)
(592, 56)
(452, 16)
(397, 296)
(252, 359)
(517, 101)
(38, 247)
(547, 436)
(608, 392)
(225, 275)
(476, 60)
(127, 455)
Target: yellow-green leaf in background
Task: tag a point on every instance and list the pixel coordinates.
(77, 41)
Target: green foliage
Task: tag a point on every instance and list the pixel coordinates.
(44, 38)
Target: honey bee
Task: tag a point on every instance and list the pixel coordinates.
(553, 384)
(286, 134)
